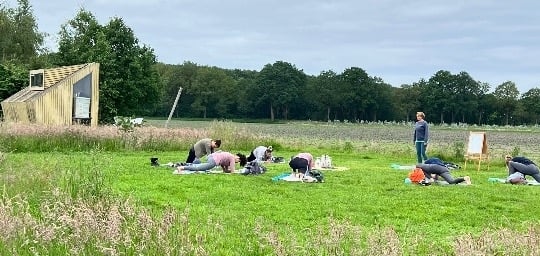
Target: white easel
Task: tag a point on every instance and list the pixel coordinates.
(477, 149)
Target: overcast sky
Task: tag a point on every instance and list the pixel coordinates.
(400, 41)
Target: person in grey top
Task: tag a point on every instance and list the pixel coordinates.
(421, 136)
(201, 148)
(261, 154)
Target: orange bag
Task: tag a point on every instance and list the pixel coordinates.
(417, 175)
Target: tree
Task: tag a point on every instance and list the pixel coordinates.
(381, 104)
(407, 99)
(357, 85)
(529, 100)
(507, 94)
(466, 95)
(20, 41)
(486, 103)
(128, 78)
(247, 94)
(437, 94)
(325, 91)
(280, 85)
(212, 90)
(12, 79)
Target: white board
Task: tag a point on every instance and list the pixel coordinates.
(477, 143)
(82, 107)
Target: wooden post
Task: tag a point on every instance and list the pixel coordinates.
(174, 106)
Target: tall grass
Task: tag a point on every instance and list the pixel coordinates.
(234, 136)
(65, 206)
(67, 226)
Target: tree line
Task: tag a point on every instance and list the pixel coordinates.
(134, 83)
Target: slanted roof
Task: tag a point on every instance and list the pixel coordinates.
(22, 95)
(51, 77)
(54, 75)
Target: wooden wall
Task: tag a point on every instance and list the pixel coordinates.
(54, 105)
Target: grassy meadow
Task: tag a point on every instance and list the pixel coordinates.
(92, 191)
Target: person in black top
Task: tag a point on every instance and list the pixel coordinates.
(522, 165)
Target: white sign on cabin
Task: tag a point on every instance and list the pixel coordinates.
(82, 107)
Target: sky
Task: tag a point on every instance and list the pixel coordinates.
(399, 41)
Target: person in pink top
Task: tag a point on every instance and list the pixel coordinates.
(226, 160)
(302, 163)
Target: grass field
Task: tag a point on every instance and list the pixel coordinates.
(113, 202)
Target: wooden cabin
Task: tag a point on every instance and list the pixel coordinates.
(57, 96)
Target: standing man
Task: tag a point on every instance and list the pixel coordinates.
(421, 135)
(201, 148)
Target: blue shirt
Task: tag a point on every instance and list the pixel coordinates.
(421, 132)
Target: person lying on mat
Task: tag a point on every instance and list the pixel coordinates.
(301, 164)
(201, 148)
(261, 154)
(522, 165)
(443, 171)
(226, 160)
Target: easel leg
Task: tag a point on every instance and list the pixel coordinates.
(479, 161)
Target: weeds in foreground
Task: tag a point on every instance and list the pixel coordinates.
(112, 227)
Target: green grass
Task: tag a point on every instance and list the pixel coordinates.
(228, 210)
(73, 194)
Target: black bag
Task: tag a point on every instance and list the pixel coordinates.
(254, 168)
(278, 159)
(317, 175)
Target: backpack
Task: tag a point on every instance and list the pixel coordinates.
(417, 176)
(254, 168)
(436, 161)
(317, 175)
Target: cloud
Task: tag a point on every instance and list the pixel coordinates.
(399, 41)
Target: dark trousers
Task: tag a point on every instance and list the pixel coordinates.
(531, 169)
(299, 165)
(439, 171)
(191, 156)
(420, 151)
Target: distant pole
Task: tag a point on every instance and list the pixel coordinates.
(174, 106)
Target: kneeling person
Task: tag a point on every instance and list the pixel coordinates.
(261, 154)
(302, 164)
(443, 171)
(201, 148)
(522, 165)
